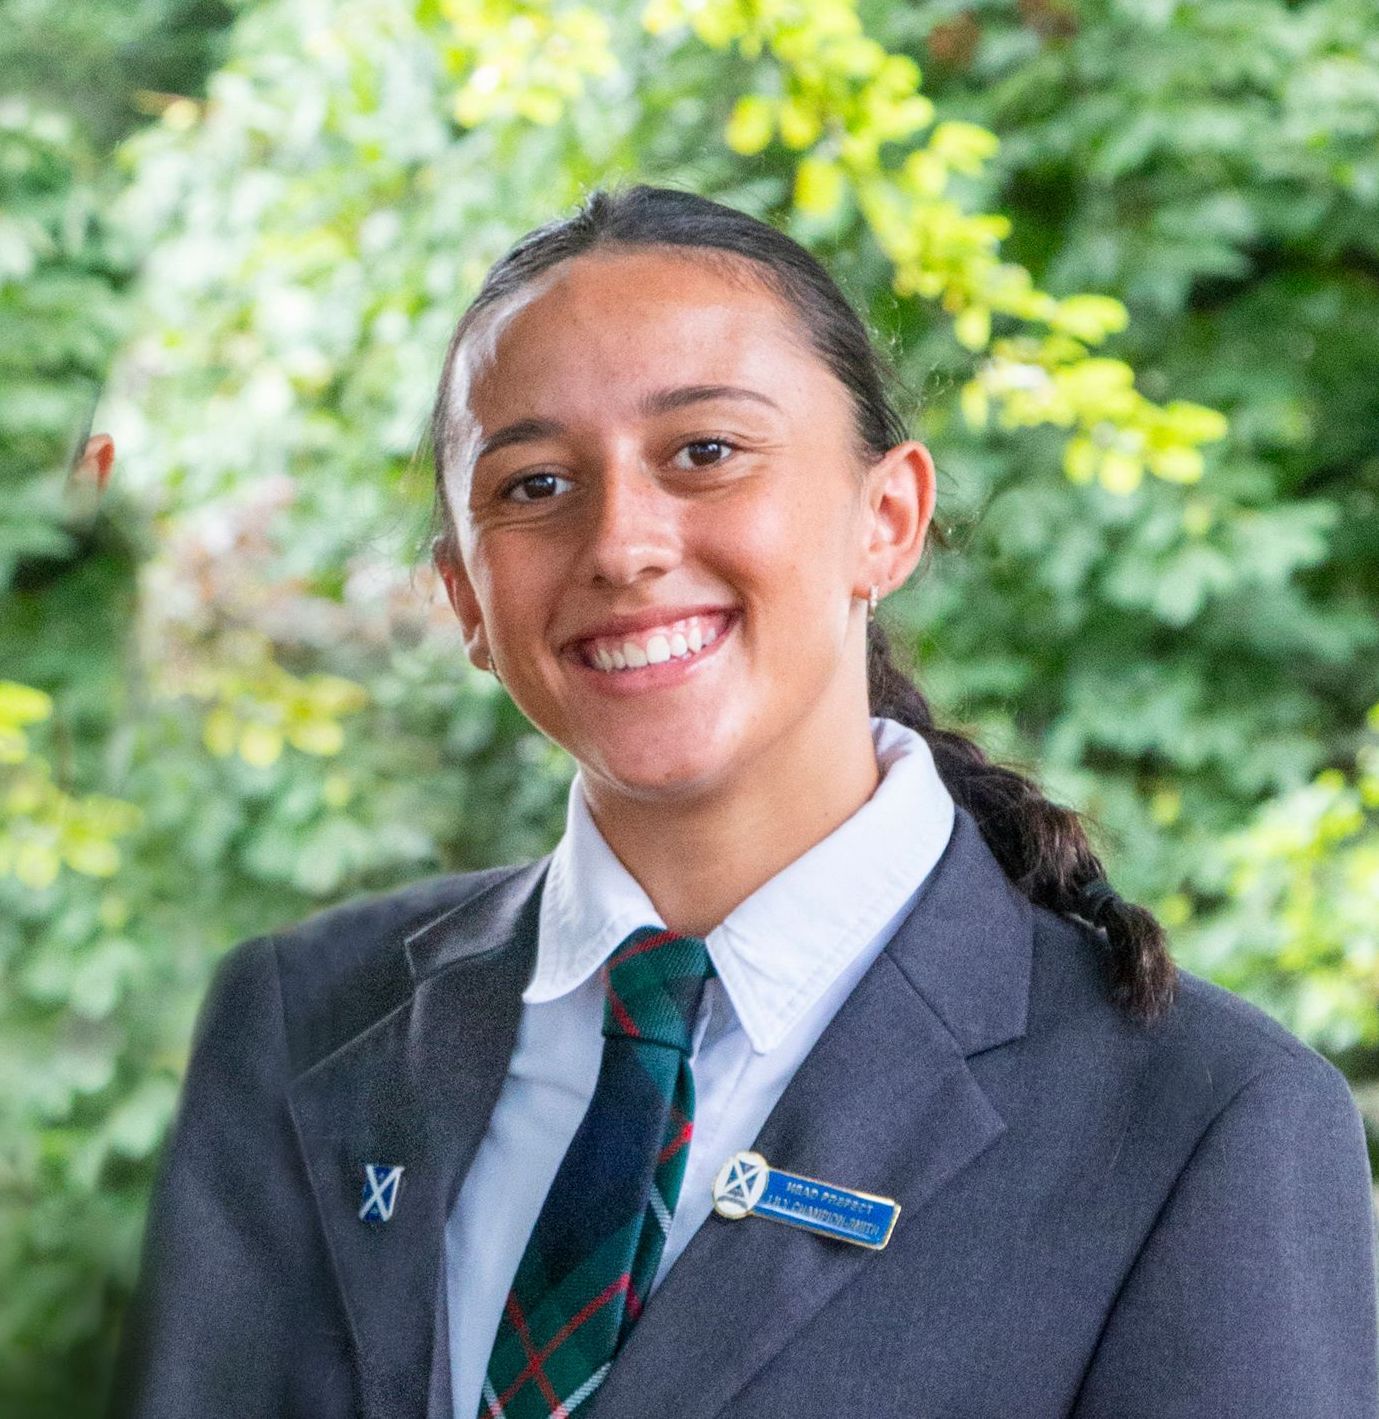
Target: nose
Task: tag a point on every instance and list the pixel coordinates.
(634, 532)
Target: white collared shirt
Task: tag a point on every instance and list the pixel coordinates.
(786, 958)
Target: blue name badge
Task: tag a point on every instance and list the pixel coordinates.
(748, 1186)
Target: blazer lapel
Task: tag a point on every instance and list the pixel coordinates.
(885, 1102)
(416, 1090)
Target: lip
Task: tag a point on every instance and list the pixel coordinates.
(635, 622)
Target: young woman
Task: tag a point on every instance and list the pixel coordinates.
(476, 1147)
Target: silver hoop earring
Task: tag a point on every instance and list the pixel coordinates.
(872, 600)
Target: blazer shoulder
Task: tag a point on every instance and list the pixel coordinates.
(1235, 1042)
(345, 967)
(1208, 1046)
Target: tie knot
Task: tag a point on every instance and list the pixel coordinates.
(654, 983)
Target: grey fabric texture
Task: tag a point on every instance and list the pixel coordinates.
(1098, 1220)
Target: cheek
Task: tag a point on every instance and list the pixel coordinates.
(507, 584)
(794, 552)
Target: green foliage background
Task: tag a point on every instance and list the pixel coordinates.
(231, 693)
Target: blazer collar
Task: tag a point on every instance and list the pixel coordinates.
(500, 917)
(416, 1089)
(967, 947)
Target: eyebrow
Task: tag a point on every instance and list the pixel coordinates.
(661, 401)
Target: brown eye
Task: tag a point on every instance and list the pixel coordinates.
(535, 487)
(704, 453)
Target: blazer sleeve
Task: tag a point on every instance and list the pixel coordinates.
(1255, 1292)
(227, 1233)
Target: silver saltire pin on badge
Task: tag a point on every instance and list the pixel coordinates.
(748, 1186)
(380, 1191)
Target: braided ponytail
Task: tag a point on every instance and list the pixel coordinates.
(1041, 846)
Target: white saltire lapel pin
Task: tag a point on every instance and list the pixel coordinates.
(380, 1191)
(748, 1186)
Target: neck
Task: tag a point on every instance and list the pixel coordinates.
(700, 857)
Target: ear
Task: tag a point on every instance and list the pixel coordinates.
(901, 489)
(460, 591)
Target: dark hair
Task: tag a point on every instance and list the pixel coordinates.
(1041, 846)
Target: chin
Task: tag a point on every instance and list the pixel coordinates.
(651, 772)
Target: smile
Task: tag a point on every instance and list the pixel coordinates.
(656, 645)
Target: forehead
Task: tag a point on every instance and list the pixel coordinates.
(596, 333)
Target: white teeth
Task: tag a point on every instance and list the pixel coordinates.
(685, 638)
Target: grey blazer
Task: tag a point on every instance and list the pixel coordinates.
(1097, 1220)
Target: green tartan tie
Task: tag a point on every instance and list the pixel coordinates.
(597, 1243)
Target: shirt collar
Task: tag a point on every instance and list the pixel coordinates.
(779, 950)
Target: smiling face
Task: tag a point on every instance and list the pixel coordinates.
(664, 524)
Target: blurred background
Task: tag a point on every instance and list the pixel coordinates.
(1124, 255)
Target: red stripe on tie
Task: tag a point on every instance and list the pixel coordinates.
(535, 1359)
(676, 1143)
(638, 948)
(625, 1022)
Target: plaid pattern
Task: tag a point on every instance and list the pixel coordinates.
(595, 1248)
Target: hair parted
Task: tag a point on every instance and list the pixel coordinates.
(1041, 846)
